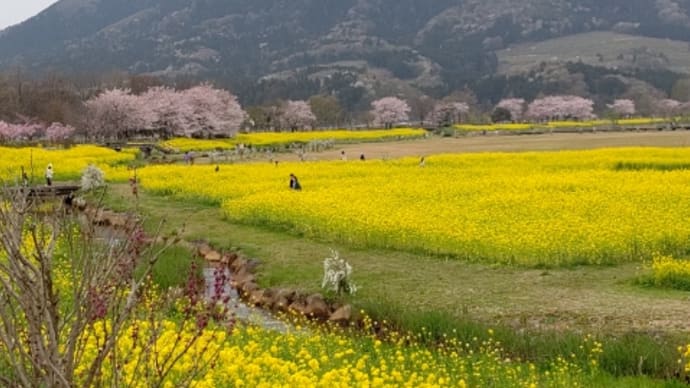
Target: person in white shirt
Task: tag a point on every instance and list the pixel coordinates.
(49, 174)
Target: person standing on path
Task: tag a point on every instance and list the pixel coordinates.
(49, 174)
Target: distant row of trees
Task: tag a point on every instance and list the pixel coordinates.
(390, 110)
(103, 109)
(54, 133)
(205, 111)
(577, 108)
(551, 107)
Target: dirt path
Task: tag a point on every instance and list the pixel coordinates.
(504, 143)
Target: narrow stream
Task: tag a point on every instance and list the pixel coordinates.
(243, 312)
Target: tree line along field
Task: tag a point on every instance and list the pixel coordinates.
(552, 209)
(208, 112)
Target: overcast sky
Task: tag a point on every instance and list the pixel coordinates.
(15, 11)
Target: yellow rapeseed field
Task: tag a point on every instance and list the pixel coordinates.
(263, 139)
(256, 357)
(558, 124)
(68, 164)
(551, 208)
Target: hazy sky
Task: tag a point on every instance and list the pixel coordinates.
(15, 11)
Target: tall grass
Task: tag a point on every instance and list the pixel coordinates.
(174, 266)
(630, 354)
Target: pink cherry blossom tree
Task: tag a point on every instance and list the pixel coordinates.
(449, 113)
(115, 113)
(561, 107)
(684, 108)
(516, 107)
(623, 107)
(297, 115)
(58, 132)
(18, 132)
(210, 111)
(668, 107)
(389, 110)
(200, 110)
(169, 108)
(5, 131)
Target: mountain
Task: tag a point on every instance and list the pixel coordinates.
(384, 46)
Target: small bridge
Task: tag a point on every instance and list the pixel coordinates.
(45, 191)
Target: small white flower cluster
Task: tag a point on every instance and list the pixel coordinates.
(336, 275)
(92, 178)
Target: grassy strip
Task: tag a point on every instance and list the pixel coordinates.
(173, 267)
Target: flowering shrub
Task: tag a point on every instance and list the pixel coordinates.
(92, 178)
(336, 275)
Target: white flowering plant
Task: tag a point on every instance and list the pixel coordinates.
(92, 178)
(337, 275)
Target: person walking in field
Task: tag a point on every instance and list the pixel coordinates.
(294, 183)
(49, 174)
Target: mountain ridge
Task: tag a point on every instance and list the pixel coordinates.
(437, 46)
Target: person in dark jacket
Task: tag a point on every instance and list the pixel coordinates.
(294, 183)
